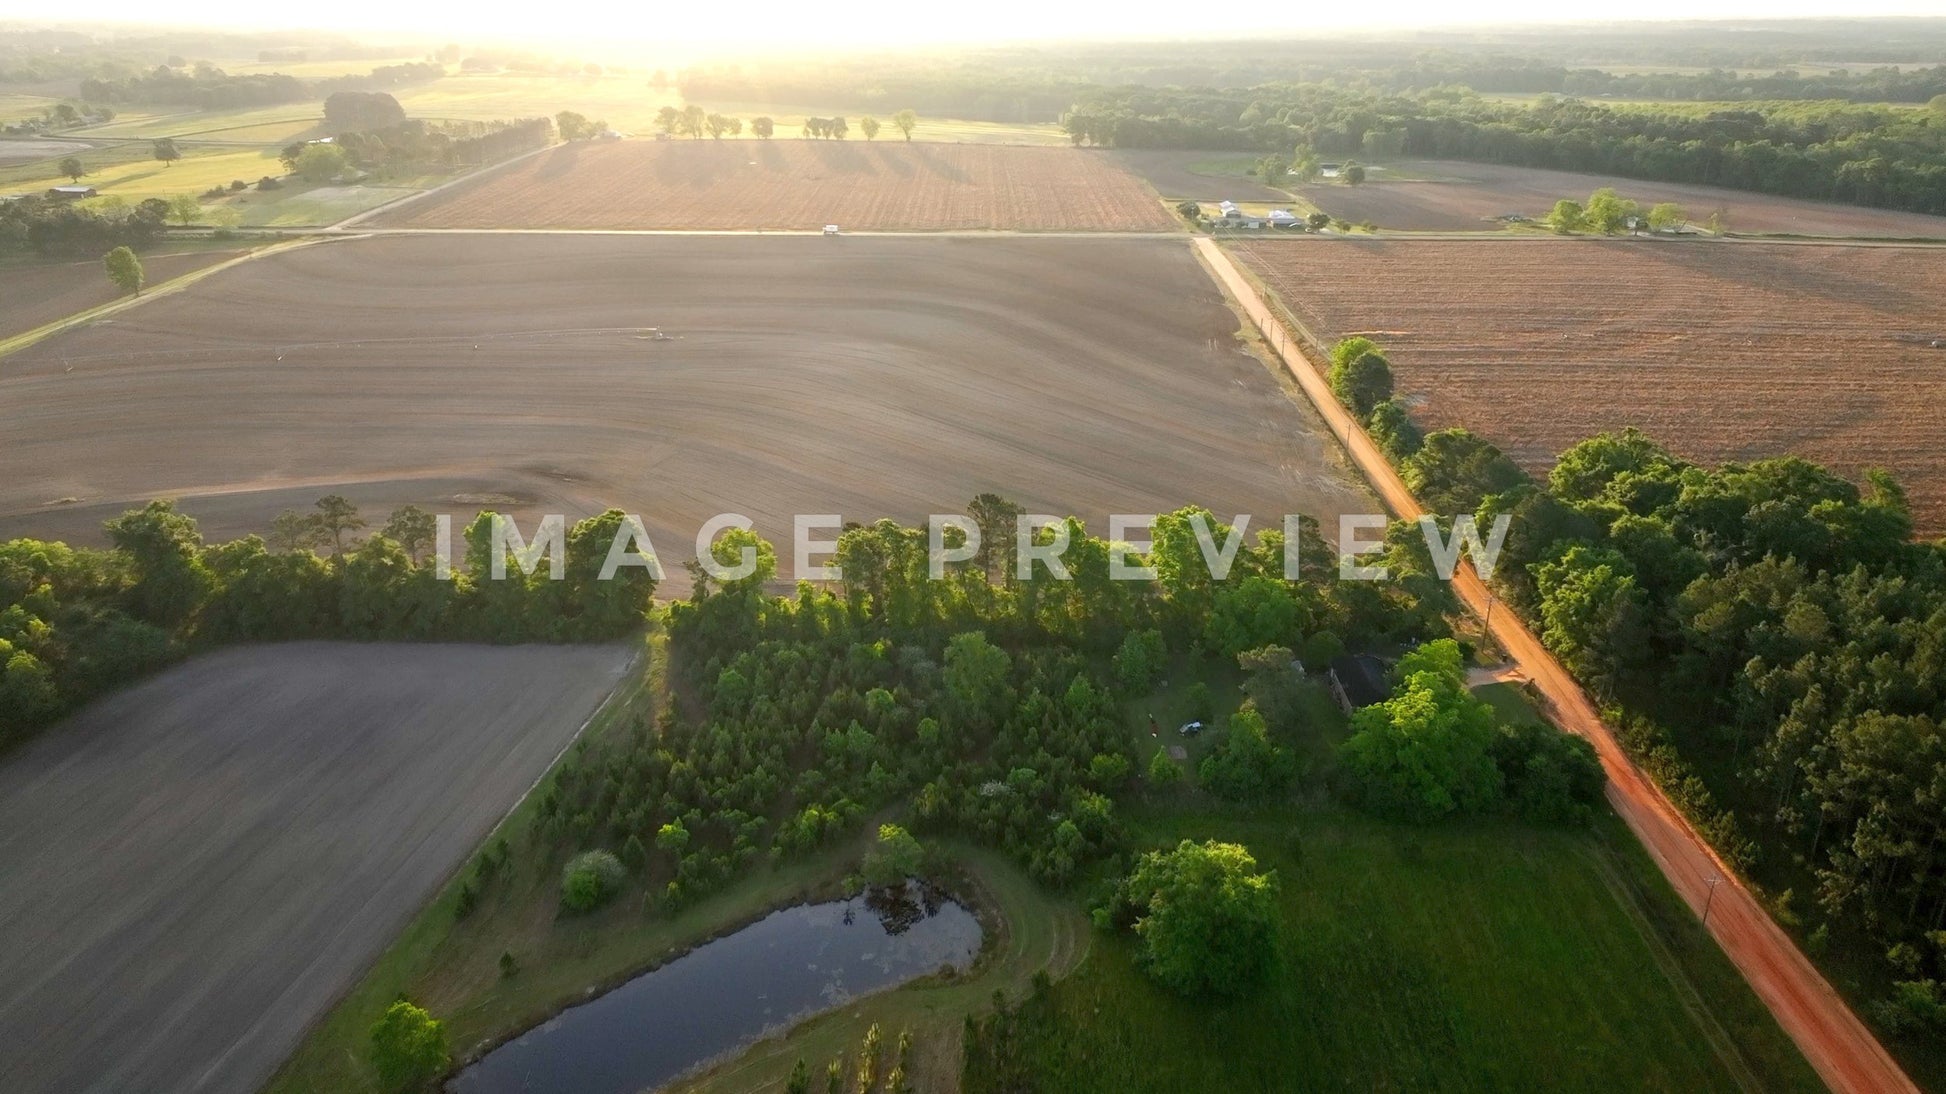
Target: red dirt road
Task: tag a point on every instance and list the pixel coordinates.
(1833, 1040)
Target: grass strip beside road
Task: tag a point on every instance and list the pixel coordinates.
(45, 331)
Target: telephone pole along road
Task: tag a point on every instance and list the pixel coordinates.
(1833, 1040)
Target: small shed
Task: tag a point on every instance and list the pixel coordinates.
(1358, 680)
(70, 193)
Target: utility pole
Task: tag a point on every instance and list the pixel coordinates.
(1712, 881)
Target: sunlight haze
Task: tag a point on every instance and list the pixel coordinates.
(771, 26)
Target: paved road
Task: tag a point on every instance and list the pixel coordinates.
(1837, 1044)
(194, 869)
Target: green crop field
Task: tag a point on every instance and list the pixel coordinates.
(1482, 957)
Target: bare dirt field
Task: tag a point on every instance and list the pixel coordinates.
(1473, 193)
(1196, 175)
(29, 149)
(1723, 351)
(798, 184)
(196, 867)
(887, 376)
(31, 296)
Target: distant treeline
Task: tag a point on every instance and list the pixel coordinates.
(206, 87)
(972, 92)
(417, 144)
(1880, 156)
(1515, 75)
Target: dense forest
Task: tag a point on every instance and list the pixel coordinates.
(989, 702)
(1772, 642)
(993, 709)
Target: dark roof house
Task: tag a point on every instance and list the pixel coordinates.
(1358, 680)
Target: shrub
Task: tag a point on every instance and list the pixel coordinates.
(591, 879)
(237, 185)
(268, 183)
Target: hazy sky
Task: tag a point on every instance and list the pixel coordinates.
(774, 23)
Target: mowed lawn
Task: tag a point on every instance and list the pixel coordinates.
(1472, 958)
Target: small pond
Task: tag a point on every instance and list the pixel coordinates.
(726, 994)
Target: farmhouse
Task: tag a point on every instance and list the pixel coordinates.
(70, 193)
(1357, 680)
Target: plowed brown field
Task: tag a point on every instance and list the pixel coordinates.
(1466, 196)
(1723, 351)
(798, 184)
(874, 376)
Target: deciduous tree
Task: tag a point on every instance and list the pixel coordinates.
(1206, 917)
(124, 269)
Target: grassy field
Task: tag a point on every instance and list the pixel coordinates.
(15, 107)
(1478, 957)
(625, 102)
(129, 171)
(171, 122)
(453, 969)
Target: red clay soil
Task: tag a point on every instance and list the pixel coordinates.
(1837, 1044)
(1469, 195)
(1723, 351)
(798, 184)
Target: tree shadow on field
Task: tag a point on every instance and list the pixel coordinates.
(895, 160)
(932, 163)
(771, 158)
(697, 164)
(558, 163)
(843, 158)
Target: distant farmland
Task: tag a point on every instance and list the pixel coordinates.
(799, 184)
(1466, 196)
(1722, 351)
